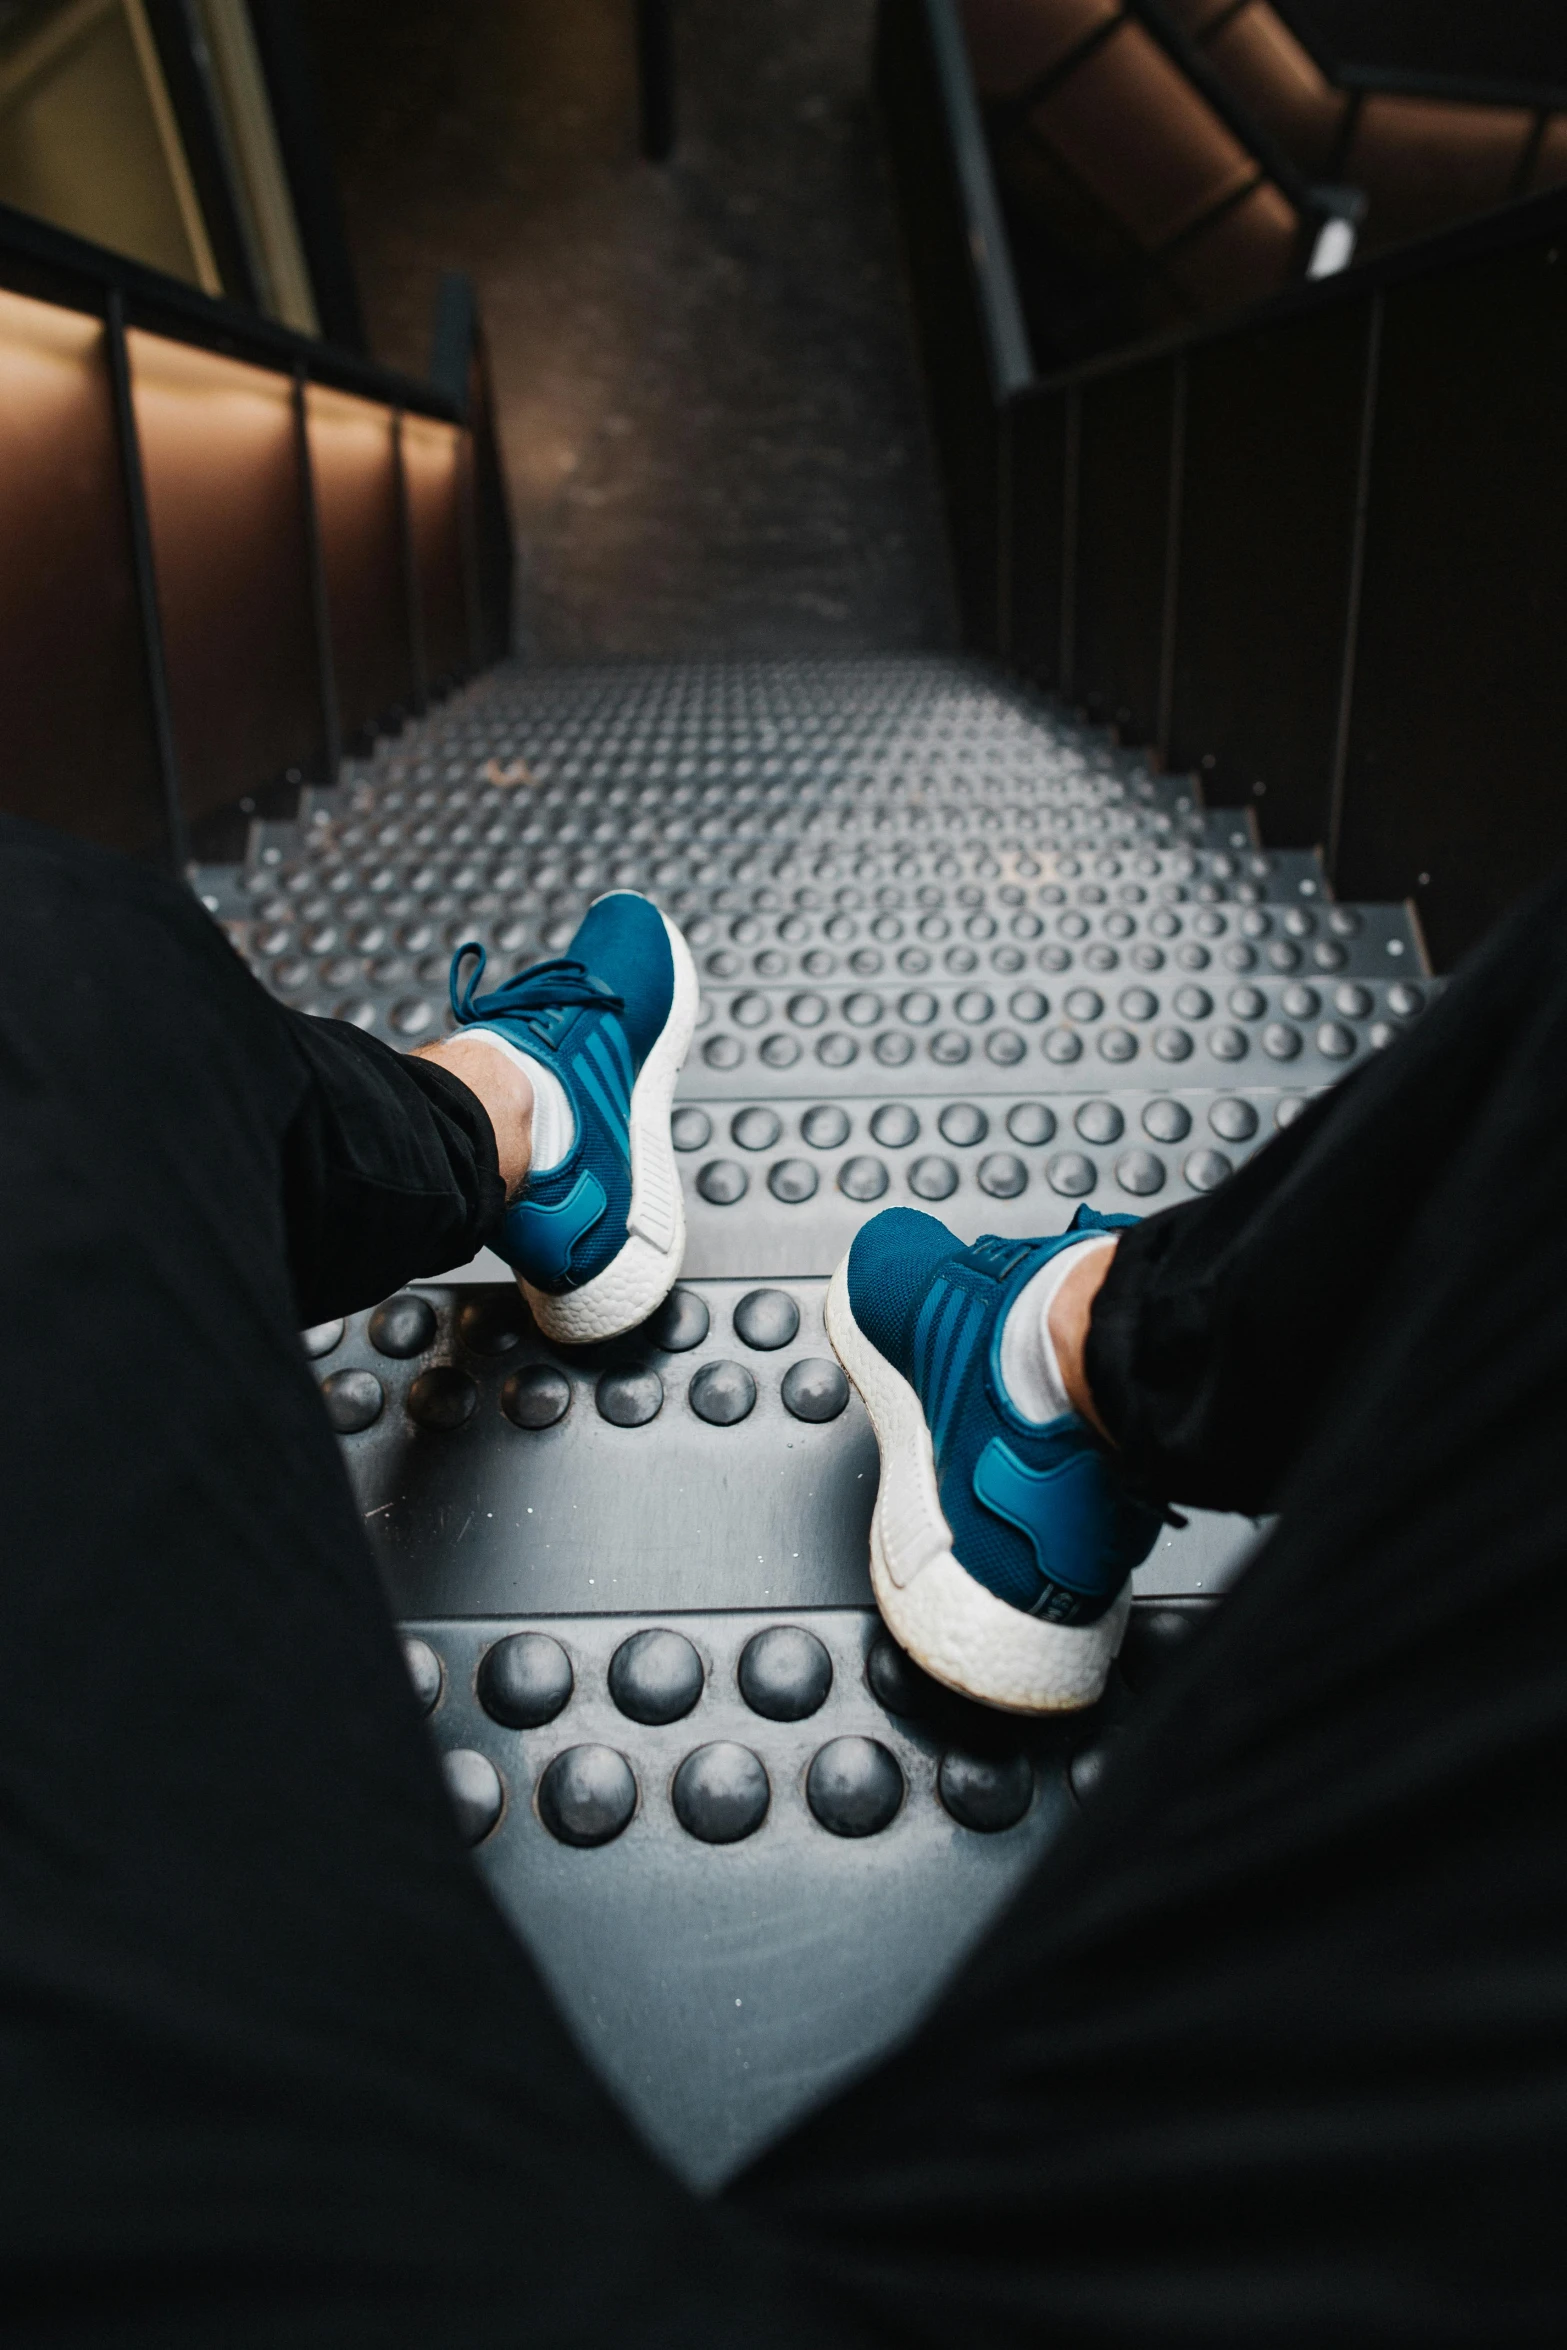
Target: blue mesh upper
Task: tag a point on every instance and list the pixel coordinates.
(592, 1016)
(1040, 1515)
(621, 939)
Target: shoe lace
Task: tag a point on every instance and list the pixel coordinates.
(545, 988)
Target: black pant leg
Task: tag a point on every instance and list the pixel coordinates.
(1274, 2046)
(389, 1169)
(272, 2068)
(1218, 1340)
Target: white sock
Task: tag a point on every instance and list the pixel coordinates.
(554, 1120)
(1029, 1370)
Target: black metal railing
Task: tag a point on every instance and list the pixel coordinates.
(1316, 553)
(230, 550)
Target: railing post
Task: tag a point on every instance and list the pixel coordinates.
(150, 617)
(320, 608)
(411, 599)
(1170, 616)
(656, 77)
(1072, 452)
(1357, 571)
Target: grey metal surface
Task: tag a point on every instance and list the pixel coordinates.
(879, 858)
(720, 1989)
(656, 1507)
(781, 1186)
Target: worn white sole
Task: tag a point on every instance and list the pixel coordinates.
(960, 1632)
(640, 1278)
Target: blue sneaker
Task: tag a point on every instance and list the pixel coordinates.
(1001, 1548)
(596, 1242)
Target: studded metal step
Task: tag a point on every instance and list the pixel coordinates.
(715, 1458)
(739, 1868)
(956, 951)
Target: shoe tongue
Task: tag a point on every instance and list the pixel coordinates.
(549, 1023)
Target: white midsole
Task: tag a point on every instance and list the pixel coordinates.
(639, 1279)
(960, 1632)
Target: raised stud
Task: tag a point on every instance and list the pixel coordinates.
(587, 1796)
(755, 1129)
(353, 1400)
(720, 1793)
(963, 1124)
(491, 1322)
(1206, 1170)
(792, 1181)
(1099, 1122)
(322, 1337)
(442, 1398)
(629, 1399)
(680, 1323)
(854, 1786)
(898, 1683)
(986, 1793)
(933, 1178)
(655, 1676)
(815, 1389)
(894, 1125)
(1002, 1175)
(525, 1680)
(785, 1673)
(1071, 1174)
(722, 1182)
(690, 1129)
(474, 1786)
(1166, 1121)
(825, 1127)
(404, 1326)
(1155, 1637)
(1140, 1172)
(1232, 1119)
(424, 1671)
(1031, 1124)
(862, 1178)
(722, 1394)
(766, 1319)
(536, 1396)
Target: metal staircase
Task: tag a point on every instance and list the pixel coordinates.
(956, 951)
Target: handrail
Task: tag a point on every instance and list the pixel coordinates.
(222, 572)
(1008, 350)
(1509, 225)
(55, 266)
(1315, 551)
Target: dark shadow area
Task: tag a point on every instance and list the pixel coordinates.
(708, 398)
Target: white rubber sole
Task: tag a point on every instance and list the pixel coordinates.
(961, 1633)
(639, 1279)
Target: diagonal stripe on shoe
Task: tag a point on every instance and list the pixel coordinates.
(597, 1241)
(1001, 1548)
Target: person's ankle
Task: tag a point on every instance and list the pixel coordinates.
(1071, 1310)
(506, 1094)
